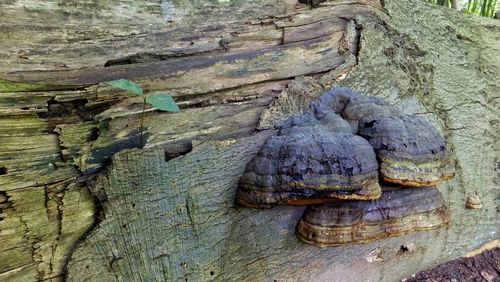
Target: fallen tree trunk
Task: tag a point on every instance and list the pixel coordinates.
(166, 212)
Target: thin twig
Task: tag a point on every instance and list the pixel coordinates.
(142, 119)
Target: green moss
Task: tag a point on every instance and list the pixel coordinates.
(10, 86)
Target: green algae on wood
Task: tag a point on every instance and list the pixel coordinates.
(436, 88)
(40, 228)
(21, 86)
(249, 252)
(11, 86)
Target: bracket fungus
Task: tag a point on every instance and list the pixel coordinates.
(351, 105)
(410, 150)
(398, 211)
(473, 202)
(310, 165)
(334, 154)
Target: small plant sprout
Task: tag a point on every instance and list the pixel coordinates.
(160, 100)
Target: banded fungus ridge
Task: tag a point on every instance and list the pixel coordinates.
(336, 152)
(398, 211)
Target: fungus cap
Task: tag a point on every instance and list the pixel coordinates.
(310, 165)
(410, 150)
(398, 211)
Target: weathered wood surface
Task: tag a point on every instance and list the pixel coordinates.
(156, 218)
(60, 126)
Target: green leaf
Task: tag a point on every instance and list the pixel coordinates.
(162, 101)
(127, 85)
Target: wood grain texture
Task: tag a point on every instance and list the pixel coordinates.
(249, 244)
(60, 123)
(176, 220)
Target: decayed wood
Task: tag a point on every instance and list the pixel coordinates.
(168, 216)
(63, 122)
(195, 231)
(102, 33)
(40, 227)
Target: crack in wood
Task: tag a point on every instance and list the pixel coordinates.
(222, 94)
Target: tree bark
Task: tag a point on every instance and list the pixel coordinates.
(79, 199)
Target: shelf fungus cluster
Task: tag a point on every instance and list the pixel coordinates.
(365, 170)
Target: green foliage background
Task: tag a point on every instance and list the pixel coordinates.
(485, 8)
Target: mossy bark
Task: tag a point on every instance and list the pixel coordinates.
(167, 212)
